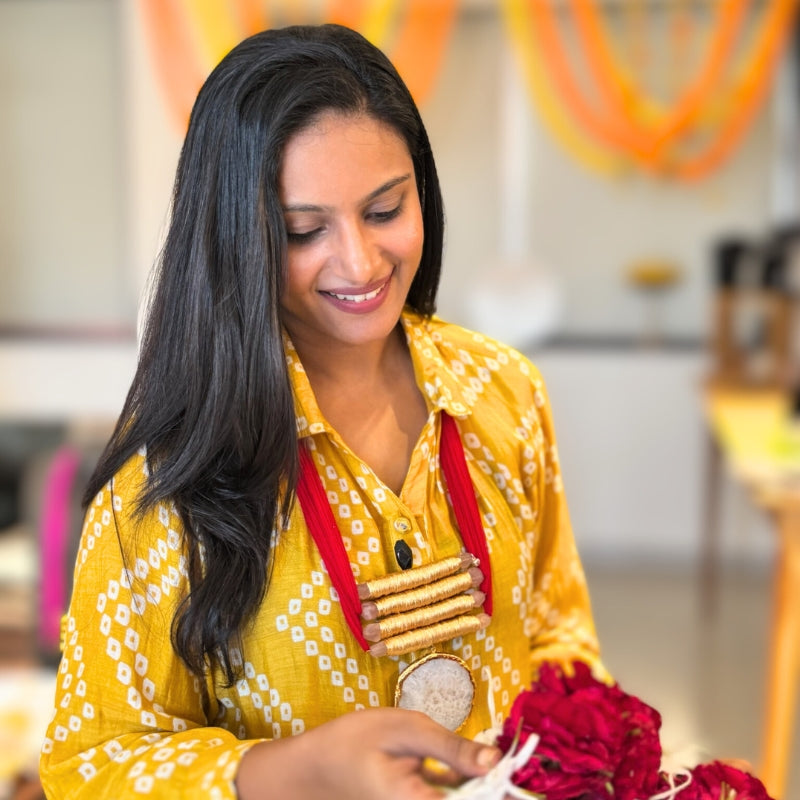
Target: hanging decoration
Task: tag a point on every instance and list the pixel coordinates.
(413, 33)
(421, 43)
(520, 25)
(606, 107)
(189, 37)
(589, 77)
(173, 50)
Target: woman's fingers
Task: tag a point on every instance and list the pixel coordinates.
(421, 736)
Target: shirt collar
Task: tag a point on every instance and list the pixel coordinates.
(437, 365)
(437, 380)
(308, 417)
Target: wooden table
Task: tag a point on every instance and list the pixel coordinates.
(751, 433)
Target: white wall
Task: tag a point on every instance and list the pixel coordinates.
(152, 145)
(62, 240)
(634, 454)
(631, 444)
(74, 381)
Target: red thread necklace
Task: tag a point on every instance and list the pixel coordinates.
(325, 532)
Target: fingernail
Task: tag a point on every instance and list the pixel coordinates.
(488, 756)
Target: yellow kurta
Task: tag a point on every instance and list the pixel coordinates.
(130, 719)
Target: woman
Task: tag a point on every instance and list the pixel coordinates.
(303, 442)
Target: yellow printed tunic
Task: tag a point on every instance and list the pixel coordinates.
(131, 720)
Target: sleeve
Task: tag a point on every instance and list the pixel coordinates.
(130, 719)
(563, 622)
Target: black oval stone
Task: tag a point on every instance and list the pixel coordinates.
(402, 552)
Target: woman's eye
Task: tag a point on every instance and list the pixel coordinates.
(302, 237)
(386, 216)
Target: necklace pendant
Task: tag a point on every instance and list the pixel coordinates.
(441, 686)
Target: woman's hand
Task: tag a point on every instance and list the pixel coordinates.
(364, 755)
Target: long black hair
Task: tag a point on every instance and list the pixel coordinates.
(211, 399)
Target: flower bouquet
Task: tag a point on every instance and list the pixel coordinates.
(572, 737)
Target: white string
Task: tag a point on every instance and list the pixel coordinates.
(669, 794)
(490, 734)
(486, 674)
(496, 784)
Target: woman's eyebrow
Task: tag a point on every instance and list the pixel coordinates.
(390, 184)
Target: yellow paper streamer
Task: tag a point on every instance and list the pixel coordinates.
(216, 27)
(377, 18)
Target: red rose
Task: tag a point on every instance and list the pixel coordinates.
(595, 741)
(598, 743)
(708, 781)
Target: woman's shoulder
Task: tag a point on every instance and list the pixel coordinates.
(463, 369)
(122, 495)
(117, 505)
(127, 482)
(474, 351)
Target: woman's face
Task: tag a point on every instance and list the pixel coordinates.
(354, 227)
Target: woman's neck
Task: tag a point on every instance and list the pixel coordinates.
(336, 366)
(370, 396)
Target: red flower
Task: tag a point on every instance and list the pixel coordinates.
(709, 781)
(595, 741)
(598, 743)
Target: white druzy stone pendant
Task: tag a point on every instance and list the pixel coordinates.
(441, 686)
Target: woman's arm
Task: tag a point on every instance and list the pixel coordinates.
(130, 718)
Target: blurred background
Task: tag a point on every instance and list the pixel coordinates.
(622, 190)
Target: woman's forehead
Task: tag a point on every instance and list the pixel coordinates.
(341, 155)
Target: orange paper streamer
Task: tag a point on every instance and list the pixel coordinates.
(628, 101)
(656, 137)
(250, 15)
(188, 37)
(421, 46)
(174, 55)
(755, 83)
(607, 129)
(346, 12)
(519, 24)
(420, 35)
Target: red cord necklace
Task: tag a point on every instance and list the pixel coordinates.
(325, 532)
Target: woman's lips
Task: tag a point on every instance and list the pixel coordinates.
(359, 302)
(357, 298)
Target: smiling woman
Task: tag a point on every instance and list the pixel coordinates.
(319, 498)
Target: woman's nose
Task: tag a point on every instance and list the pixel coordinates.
(356, 250)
